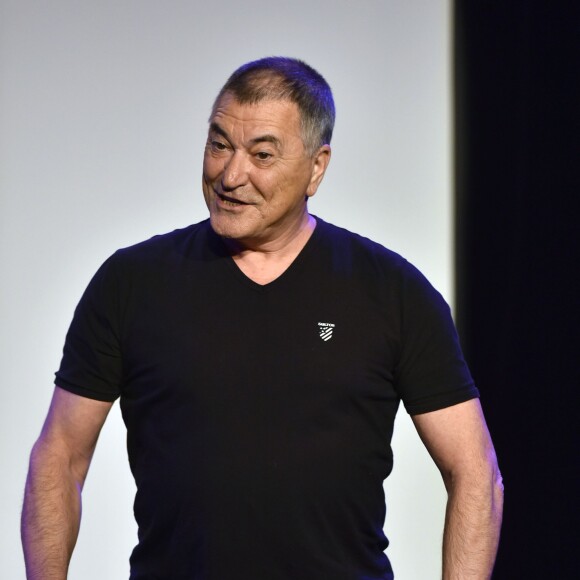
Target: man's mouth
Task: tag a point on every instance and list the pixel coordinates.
(230, 200)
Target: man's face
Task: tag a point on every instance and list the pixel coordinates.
(256, 173)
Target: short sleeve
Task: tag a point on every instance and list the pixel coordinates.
(431, 373)
(91, 363)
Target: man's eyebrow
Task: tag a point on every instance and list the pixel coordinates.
(215, 128)
(267, 139)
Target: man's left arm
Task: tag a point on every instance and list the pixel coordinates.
(459, 442)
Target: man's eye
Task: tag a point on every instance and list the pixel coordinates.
(263, 156)
(218, 146)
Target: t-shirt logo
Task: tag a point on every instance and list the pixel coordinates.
(325, 330)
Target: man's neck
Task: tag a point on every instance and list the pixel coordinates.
(264, 263)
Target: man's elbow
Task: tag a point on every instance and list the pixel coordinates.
(481, 479)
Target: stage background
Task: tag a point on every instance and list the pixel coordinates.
(518, 263)
(103, 110)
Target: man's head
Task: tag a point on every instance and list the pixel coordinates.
(267, 151)
(286, 79)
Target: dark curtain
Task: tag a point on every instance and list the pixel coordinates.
(517, 134)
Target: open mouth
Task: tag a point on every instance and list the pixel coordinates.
(230, 201)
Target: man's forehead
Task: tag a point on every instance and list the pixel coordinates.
(274, 115)
(228, 105)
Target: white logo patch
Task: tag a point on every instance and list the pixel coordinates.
(325, 330)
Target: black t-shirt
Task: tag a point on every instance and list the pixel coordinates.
(259, 418)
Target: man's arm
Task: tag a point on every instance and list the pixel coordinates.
(459, 442)
(59, 463)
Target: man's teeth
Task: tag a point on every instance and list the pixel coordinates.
(228, 201)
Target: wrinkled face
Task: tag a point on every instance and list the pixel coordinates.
(256, 173)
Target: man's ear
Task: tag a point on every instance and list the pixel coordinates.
(320, 162)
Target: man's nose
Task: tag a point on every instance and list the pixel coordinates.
(235, 171)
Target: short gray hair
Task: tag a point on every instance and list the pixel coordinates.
(287, 79)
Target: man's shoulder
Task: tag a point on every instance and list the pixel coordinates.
(187, 242)
(162, 252)
(353, 246)
(161, 243)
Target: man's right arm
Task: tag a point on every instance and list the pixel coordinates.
(59, 463)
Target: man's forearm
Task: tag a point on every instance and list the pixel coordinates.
(472, 528)
(51, 515)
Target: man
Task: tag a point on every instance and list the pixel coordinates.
(260, 357)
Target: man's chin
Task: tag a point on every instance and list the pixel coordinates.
(227, 228)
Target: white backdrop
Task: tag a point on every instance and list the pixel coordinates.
(103, 109)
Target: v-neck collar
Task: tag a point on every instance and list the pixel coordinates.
(288, 273)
